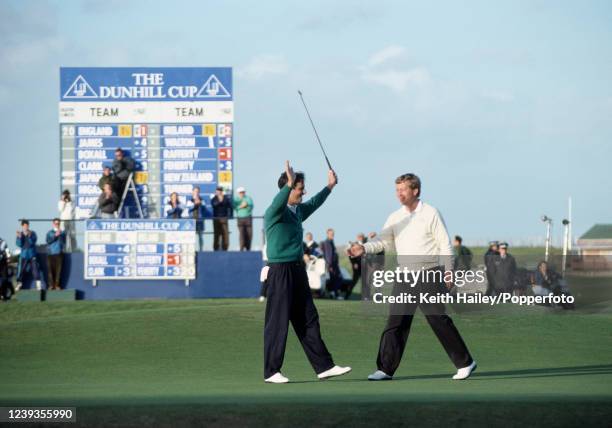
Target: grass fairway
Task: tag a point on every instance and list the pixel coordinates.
(199, 362)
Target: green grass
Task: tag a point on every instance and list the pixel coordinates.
(199, 362)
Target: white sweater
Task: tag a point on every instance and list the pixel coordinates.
(420, 234)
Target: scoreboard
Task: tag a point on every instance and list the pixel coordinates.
(140, 249)
(176, 123)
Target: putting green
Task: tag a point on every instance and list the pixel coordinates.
(200, 362)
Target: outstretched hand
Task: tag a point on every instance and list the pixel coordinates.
(332, 179)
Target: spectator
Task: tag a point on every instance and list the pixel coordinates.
(26, 240)
(222, 210)
(106, 178)
(5, 283)
(355, 264)
(66, 214)
(123, 166)
(243, 205)
(196, 208)
(108, 202)
(545, 277)
(547, 281)
(463, 255)
(174, 209)
(56, 241)
(504, 270)
(489, 259)
(333, 268)
(311, 248)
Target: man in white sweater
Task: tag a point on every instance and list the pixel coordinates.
(417, 234)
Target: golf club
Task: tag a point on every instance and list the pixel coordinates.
(315, 130)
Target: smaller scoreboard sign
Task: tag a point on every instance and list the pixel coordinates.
(140, 249)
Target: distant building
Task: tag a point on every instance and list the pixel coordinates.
(595, 248)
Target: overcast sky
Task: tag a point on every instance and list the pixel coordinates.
(504, 109)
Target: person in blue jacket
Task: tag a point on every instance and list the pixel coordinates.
(196, 209)
(26, 240)
(174, 209)
(56, 242)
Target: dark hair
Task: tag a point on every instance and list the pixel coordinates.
(56, 219)
(458, 239)
(195, 187)
(24, 221)
(118, 149)
(282, 180)
(66, 192)
(414, 180)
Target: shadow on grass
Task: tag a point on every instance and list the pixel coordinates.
(501, 374)
(527, 373)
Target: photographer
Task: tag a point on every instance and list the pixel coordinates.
(26, 240)
(66, 214)
(123, 166)
(196, 208)
(56, 240)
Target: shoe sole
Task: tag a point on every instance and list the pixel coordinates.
(382, 379)
(335, 375)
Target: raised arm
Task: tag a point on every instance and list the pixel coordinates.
(275, 211)
(317, 200)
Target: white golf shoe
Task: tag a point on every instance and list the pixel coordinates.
(465, 372)
(333, 372)
(277, 378)
(379, 375)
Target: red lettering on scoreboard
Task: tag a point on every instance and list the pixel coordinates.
(174, 260)
(225, 154)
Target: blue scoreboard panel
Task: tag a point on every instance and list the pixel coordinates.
(140, 249)
(176, 123)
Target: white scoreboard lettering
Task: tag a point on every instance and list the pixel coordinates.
(176, 123)
(140, 249)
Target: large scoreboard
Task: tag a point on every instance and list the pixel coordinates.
(140, 249)
(176, 123)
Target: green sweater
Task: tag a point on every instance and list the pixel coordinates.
(284, 229)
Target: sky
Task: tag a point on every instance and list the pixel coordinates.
(504, 109)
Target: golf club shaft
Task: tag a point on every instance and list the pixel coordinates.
(314, 129)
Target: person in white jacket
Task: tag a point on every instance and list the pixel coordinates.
(65, 207)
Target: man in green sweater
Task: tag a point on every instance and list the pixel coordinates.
(289, 297)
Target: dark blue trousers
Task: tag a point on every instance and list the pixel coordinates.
(290, 300)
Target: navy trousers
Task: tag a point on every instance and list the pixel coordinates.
(290, 300)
